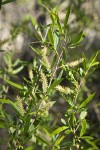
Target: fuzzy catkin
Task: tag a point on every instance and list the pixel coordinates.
(20, 105)
(64, 90)
(44, 82)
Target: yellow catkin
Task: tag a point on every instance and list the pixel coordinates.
(45, 106)
(20, 105)
(75, 63)
(45, 58)
(65, 90)
(30, 72)
(44, 82)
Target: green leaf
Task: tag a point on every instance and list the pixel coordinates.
(35, 50)
(87, 137)
(66, 18)
(50, 36)
(55, 39)
(2, 123)
(32, 128)
(53, 15)
(41, 139)
(7, 1)
(54, 61)
(37, 29)
(59, 24)
(95, 64)
(54, 84)
(87, 100)
(17, 110)
(64, 55)
(6, 101)
(63, 121)
(71, 119)
(79, 37)
(34, 22)
(70, 102)
(83, 115)
(77, 40)
(27, 124)
(58, 130)
(36, 122)
(94, 59)
(13, 84)
(83, 129)
(17, 70)
(12, 104)
(84, 62)
(29, 148)
(58, 141)
(16, 63)
(92, 144)
(68, 131)
(60, 74)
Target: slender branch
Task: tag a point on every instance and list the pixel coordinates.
(59, 58)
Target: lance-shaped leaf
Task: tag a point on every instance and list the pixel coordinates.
(13, 84)
(79, 38)
(66, 17)
(50, 36)
(6, 101)
(59, 140)
(18, 70)
(87, 100)
(58, 130)
(56, 39)
(54, 61)
(54, 84)
(41, 139)
(83, 129)
(27, 124)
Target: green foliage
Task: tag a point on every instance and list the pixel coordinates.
(3, 2)
(32, 120)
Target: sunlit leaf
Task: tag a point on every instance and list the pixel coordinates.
(54, 84)
(77, 40)
(58, 141)
(6, 101)
(83, 129)
(87, 100)
(17, 70)
(14, 84)
(56, 40)
(12, 104)
(63, 121)
(50, 36)
(83, 115)
(58, 130)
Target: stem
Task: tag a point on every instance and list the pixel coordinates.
(78, 90)
(59, 58)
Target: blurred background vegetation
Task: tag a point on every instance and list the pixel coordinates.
(17, 32)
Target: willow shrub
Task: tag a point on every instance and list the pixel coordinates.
(31, 125)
